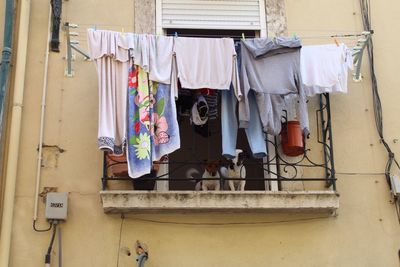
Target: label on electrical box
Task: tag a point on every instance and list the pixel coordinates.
(56, 206)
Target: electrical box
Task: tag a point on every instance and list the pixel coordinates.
(395, 181)
(56, 206)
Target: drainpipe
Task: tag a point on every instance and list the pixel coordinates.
(5, 68)
(15, 130)
(6, 59)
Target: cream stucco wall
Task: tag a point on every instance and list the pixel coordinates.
(365, 232)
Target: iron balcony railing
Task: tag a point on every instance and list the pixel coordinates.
(277, 167)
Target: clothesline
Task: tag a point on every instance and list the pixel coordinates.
(301, 37)
(336, 36)
(127, 28)
(348, 41)
(81, 36)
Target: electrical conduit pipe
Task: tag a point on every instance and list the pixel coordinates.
(42, 111)
(15, 131)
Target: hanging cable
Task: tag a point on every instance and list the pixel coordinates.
(59, 248)
(230, 223)
(47, 258)
(366, 18)
(42, 230)
(120, 236)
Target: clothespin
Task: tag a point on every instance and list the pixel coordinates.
(336, 41)
(294, 35)
(95, 27)
(243, 36)
(273, 37)
(123, 32)
(176, 34)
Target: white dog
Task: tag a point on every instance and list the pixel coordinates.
(236, 170)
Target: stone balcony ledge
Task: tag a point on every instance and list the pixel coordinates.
(140, 202)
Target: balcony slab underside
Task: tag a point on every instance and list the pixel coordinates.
(140, 202)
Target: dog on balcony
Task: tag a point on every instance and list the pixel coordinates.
(236, 170)
(210, 179)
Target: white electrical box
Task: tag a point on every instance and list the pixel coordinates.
(395, 181)
(56, 206)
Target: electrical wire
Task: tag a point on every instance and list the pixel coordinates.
(397, 204)
(59, 248)
(377, 104)
(231, 223)
(42, 230)
(360, 173)
(47, 259)
(120, 237)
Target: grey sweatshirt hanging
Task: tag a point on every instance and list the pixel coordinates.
(272, 69)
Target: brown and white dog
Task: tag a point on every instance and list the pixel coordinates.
(210, 178)
(236, 170)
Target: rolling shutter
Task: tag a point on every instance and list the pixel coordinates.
(211, 14)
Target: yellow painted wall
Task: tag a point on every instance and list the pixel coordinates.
(365, 233)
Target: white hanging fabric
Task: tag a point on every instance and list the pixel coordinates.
(109, 51)
(324, 68)
(206, 63)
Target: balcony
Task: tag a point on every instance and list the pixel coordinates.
(273, 184)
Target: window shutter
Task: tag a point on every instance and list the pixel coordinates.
(211, 14)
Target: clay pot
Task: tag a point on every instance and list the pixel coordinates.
(292, 139)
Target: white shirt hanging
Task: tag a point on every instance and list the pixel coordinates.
(324, 68)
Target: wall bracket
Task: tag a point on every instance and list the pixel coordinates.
(72, 45)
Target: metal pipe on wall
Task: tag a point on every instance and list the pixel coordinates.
(6, 58)
(42, 113)
(15, 131)
(4, 83)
